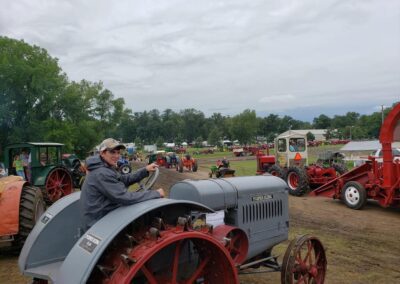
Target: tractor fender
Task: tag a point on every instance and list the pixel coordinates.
(86, 252)
(51, 238)
(10, 196)
(40, 175)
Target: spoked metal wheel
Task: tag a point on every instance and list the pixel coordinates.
(58, 184)
(168, 257)
(304, 262)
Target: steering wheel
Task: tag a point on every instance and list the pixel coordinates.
(148, 182)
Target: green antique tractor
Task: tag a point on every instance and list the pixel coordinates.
(43, 168)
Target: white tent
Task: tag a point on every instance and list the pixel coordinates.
(365, 146)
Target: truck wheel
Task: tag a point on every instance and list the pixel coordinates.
(30, 209)
(340, 169)
(276, 170)
(297, 181)
(354, 195)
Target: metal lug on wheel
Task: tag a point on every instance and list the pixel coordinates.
(132, 240)
(227, 241)
(128, 260)
(107, 271)
(158, 223)
(182, 224)
(154, 233)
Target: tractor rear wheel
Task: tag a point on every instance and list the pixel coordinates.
(31, 207)
(304, 261)
(58, 184)
(169, 256)
(297, 181)
(276, 170)
(354, 195)
(125, 169)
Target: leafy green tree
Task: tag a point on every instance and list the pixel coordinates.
(244, 126)
(198, 142)
(30, 84)
(214, 137)
(322, 122)
(310, 136)
(160, 142)
(193, 120)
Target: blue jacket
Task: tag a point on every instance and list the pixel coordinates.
(105, 189)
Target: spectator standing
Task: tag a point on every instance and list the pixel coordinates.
(19, 168)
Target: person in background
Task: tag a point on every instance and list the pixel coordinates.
(3, 170)
(26, 164)
(43, 159)
(19, 168)
(105, 189)
(292, 146)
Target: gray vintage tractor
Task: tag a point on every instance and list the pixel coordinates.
(208, 231)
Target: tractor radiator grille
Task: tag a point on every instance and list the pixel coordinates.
(261, 211)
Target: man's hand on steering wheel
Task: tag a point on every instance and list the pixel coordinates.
(152, 167)
(150, 180)
(161, 192)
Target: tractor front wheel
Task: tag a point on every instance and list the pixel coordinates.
(58, 184)
(276, 170)
(297, 181)
(354, 195)
(125, 169)
(194, 166)
(180, 167)
(304, 261)
(30, 209)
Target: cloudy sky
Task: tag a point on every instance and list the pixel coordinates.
(298, 58)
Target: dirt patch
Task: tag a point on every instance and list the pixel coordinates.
(362, 246)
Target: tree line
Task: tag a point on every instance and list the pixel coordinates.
(39, 103)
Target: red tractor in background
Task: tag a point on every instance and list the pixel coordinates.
(378, 180)
(290, 163)
(187, 162)
(21, 206)
(49, 176)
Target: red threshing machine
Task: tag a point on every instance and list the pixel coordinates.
(374, 179)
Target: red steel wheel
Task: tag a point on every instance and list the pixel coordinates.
(58, 184)
(304, 261)
(293, 180)
(174, 257)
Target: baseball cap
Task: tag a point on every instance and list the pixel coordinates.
(110, 144)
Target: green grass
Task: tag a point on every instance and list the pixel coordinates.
(249, 167)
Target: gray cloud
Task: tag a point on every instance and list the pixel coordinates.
(287, 57)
